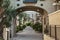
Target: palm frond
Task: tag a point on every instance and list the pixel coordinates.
(6, 3)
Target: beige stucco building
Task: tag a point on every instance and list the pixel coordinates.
(54, 18)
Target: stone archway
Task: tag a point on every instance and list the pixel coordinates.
(42, 11)
(32, 8)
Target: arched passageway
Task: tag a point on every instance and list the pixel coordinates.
(32, 8)
(43, 13)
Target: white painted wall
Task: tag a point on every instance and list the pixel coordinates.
(5, 34)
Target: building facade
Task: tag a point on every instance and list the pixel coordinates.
(47, 5)
(44, 4)
(54, 18)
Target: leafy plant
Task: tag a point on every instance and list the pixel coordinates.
(5, 4)
(22, 15)
(7, 11)
(24, 26)
(1, 38)
(9, 14)
(20, 28)
(37, 27)
(28, 24)
(1, 1)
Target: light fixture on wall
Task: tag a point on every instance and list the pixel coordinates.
(18, 0)
(38, 10)
(56, 3)
(18, 4)
(20, 9)
(41, 4)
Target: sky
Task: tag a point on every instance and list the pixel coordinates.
(30, 13)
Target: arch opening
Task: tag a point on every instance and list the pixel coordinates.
(41, 11)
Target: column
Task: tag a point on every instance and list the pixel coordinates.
(43, 26)
(47, 24)
(13, 27)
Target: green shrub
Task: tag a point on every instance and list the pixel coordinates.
(37, 27)
(1, 38)
(20, 28)
(23, 26)
(28, 24)
(7, 24)
(17, 28)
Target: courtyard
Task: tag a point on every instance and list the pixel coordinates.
(29, 19)
(28, 34)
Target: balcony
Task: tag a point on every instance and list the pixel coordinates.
(30, 1)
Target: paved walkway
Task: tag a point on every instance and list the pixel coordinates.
(28, 34)
(47, 37)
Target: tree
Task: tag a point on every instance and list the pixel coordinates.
(6, 4)
(1, 1)
(3, 5)
(22, 15)
(9, 14)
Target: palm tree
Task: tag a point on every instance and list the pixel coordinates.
(1, 1)
(2, 6)
(8, 12)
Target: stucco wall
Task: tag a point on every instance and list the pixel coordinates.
(54, 18)
(47, 5)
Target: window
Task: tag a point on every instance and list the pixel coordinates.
(30, 1)
(18, 0)
(18, 4)
(42, 0)
(41, 4)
